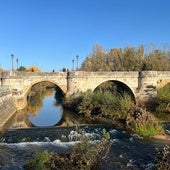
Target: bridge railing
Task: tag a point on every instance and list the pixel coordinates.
(21, 74)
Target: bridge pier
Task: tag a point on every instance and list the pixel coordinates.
(7, 106)
(20, 101)
(147, 87)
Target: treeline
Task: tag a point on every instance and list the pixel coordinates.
(127, 59)
(22, 68)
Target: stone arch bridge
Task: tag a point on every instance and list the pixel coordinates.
(143, 85)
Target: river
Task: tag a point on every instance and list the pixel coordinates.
(46, 125)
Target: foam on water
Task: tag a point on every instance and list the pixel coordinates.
(113, 131)
(57, 142)
(73, 138)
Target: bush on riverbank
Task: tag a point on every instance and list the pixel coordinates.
(163, 99)
(143, 122)
(97, 105)
(85, 156)
(118, 110)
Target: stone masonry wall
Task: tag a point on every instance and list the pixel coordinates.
(7, 106)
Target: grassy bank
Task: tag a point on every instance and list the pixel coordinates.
(118, 110)
(162, 101)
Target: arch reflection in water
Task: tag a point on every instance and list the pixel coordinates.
(50, 113)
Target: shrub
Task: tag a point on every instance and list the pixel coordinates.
(104, 104)
(120, 110)
(124, 105)
(148, 128)
(85, 156)
(39, 162)
(103, 107)
(163, 158)
(73, 101)
(163, 98)
(143, 123)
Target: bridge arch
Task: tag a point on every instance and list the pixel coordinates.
(121, 86)
(22, 99)
(44, 80)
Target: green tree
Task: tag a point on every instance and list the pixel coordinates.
(21, 68)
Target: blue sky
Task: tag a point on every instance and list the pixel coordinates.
(50, 33)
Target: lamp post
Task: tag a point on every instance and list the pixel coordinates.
(12, 58)
(77, 57)
(73, 63)
(17, 63)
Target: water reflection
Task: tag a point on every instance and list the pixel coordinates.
(49, 115)
(36, 98)
(18, 120)
(44, 108)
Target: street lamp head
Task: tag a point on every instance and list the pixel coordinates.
(73, 64)
(77, 61)
(17, 63)
(12, 57)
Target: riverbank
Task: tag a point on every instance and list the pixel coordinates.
(118, 110)
(161, 137)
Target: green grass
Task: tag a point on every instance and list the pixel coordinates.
(39, 162)
(163, 98)
(148, 129)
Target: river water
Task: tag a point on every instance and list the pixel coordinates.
(51, 128)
